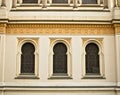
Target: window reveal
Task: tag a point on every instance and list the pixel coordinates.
(60, 58)
(92, 59)
(27, 58)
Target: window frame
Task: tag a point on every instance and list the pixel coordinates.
(99, 5)
(54, 58)
(99, 43)
(19, 3)
(60, 3)
(98, 2)
(86, 60)
(29, 2)
(21, 42)
(24, 59)
(53, 42)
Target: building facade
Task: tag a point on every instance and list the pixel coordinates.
(60, 47)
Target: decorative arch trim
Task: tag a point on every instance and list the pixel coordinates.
(67, 42)
(21, 42)
(99, 43)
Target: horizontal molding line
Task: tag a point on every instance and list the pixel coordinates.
(60, 10)
(59, 86)
(58, 21)
(9, 21)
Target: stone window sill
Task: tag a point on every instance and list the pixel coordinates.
(26, 76)
(60, 76)
(93, 77)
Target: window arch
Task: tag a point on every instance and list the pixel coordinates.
(30, 1)
(92, 59)
(60, 58)
(27, 58)
(89, 1)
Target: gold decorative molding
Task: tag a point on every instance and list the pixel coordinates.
(60, 39)
(100, 40)
(20, 39)
(3, 28)
(117, 29)
(64, 29)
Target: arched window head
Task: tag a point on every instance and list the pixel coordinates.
(27, 58)
(30, 1)
(92, 59)
(60, 58)
(89, 1)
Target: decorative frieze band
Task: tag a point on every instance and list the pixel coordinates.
(64, 29)
(2, 28)
(117, 29)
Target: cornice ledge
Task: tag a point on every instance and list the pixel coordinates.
(59, 25)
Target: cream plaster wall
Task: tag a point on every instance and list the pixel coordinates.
(61, 15)
(44, 46)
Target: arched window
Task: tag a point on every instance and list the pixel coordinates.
(30, 1)
(59, 1)
(89, 1)
(92, 59)
(27, 58)
(60, 58)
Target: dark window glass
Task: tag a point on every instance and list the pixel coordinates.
(59, 1)
(60, 58)
(89, 1)
(30, 1)
(27, 58)
(92, 59)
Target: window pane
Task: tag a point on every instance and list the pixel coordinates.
(89, 1)
(60, 58)
(27, 58)
(30, 1)
(92, 58)
(59, 1)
